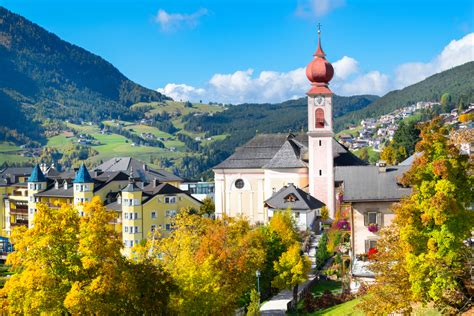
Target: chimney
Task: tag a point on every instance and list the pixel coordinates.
(382, 164)
(155, 182)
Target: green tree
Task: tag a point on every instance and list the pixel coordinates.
(445, 102)
(208, 207)
(363, 154)
(432, 225)
(292, 269)
(253, 309)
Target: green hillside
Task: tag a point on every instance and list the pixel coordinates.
(43, 76)
(458, 82)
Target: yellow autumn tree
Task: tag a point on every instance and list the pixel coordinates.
(212, 262)
(292, 269)
(283, 224)
(46, 263)
(68, 264)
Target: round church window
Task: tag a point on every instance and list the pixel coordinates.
(239, 183)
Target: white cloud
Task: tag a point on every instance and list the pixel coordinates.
(173, 21)
(310, 8)
(272, 86)
(345, 67)
(183, 92)
(457, 52)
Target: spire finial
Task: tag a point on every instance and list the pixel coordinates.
(319, 52)
(130, 177)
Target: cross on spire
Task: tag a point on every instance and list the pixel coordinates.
(319, 28)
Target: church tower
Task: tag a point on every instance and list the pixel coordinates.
(320, 129)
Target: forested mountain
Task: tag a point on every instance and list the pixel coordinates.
(44, 76)
(457, 81)
(241, 122)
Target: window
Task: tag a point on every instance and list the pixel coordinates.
(297, 214)
(168, 226)
(372, 218)
(320, 172)
(136, 216)
(370, 243)
(153, 228)
(136, 202)
(319, 118)
(239, 183)
(32, 199)
(320, 143)
(136, 229)
(153, 215)
(31, 186)
(130, 229)
(126, 215)
(171, 213)
(170, 199)
(32, 210)
(126, 229)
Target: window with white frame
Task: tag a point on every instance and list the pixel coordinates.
(125, 229)
(32, 210)
(372, 217)
(136, 202)
(136, 229)
(125, 215)
(170, 199)
(153, 215)
(170, 213)
(136, 216)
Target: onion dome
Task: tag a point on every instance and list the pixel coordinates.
(319, 71)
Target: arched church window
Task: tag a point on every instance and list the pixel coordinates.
(319, 118)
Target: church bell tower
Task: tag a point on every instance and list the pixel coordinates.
(320, 129)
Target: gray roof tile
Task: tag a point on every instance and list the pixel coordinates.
(304, 201)
(367, 183)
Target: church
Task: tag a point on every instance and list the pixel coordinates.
(306, 172)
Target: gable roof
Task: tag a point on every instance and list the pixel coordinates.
(288, 156)
(367, 183)
(140, 169)
(37, 175)
(281, 151)
(303, 201)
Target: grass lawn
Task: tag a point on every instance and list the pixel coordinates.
(8, 153)
(322, 285)
(354, 132)
(140, 128)
(344, 309)
(374, 156)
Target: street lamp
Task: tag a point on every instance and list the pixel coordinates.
(257, 273)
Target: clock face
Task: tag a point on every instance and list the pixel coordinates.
(319, 100)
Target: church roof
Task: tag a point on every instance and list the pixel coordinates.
(293, 198)
(37, 175)
(281, 151)
(288, 156)
(367, 183)
(83, 175)
(140, 169)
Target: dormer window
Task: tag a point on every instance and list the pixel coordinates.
(56, 185)
(290, 198)
(65, 185)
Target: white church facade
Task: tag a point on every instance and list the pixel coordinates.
(308, 171)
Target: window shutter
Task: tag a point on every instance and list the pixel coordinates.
(367, 246)
(366, 219)
(380, 219)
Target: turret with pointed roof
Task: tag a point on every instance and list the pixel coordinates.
(82, 175)
(37, 175)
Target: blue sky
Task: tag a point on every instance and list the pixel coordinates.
(254, 51)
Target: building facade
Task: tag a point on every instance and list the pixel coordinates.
(144, 201)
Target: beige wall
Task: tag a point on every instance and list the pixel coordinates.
(360, 232)
(259, 185)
